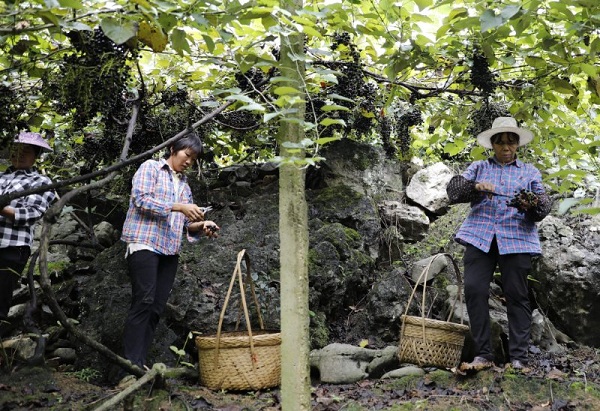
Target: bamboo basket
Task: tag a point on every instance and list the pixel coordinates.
(240, 360)
(425, 341)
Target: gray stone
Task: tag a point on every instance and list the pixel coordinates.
(410, 370)
(434, 265)
(428, 187)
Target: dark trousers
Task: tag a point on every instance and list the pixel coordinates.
(12, 263)
(479, 271)
(152, 276)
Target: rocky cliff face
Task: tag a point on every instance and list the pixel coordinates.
(365, 238)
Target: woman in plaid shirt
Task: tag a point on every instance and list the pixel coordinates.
(507, 199)
(161, 209)
(18, 218)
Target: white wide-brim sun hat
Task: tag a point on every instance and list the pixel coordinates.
(504, 125)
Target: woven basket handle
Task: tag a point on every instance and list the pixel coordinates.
(237, 273)
(420, 279)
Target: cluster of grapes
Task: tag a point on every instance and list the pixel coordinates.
(385, 131)
(164, 116)
(482, 118)
(97, 149)
(364, 119)
(174, 97)
(91, 80)
(523, 200)
(481, 76)
(12, 106)
(343, 39)
(252, 80)
(240, 120)
(404, 119)
(350, 80)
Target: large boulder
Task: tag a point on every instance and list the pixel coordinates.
(428, 187)
(567, 283)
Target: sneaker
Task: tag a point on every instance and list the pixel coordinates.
(126, 382)
(478, 364)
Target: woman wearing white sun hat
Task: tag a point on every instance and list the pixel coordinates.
(507, 199)
(18, 218)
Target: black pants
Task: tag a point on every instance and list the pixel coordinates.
(479, 271)
(12, 262)
(152, 276)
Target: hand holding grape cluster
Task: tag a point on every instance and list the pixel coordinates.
(523, 200)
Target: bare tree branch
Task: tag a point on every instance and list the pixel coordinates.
(7, 198)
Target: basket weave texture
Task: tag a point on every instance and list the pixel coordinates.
(426, 341)
(240, 360)
(232, 367)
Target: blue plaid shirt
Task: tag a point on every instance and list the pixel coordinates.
(490, 215)
(150, 220)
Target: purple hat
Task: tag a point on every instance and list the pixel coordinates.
(35, 139)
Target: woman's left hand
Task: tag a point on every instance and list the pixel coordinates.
(208, 228)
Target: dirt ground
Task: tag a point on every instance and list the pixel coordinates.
(568, 381)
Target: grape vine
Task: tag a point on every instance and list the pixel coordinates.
(92, 79)
(12, 105)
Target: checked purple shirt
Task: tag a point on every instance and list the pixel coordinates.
(491, 216)
(149, 219)
(28, 210)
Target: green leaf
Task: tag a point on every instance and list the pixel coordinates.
(568, 172)
(71, 4)
(338, 97)
(536, 62)
(334, 107)
(423, 4)
(167, 21)
(489, 20)
(458, 13)
(452, 149)
(179, 42)
(269, 116)
(330, 121)
(325, 140)
(285, 90)
(210, 44)
(48, 17)
(143, 3)
(117, 30)
(75, 25)
(566, 204)
(509, 11)
(587, 210)
(562, 86)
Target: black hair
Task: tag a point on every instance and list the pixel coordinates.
(512, 137)
(190, 140)
(37, 150)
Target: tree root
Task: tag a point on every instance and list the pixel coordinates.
(158, 370)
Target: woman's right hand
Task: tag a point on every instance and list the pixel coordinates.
(488, 187)
(191, 211)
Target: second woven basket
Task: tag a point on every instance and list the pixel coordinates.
(429, 342)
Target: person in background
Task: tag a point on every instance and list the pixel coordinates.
(18, 218)
(161, 209)
(507, 199)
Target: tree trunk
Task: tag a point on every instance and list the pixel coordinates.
(293, 232)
